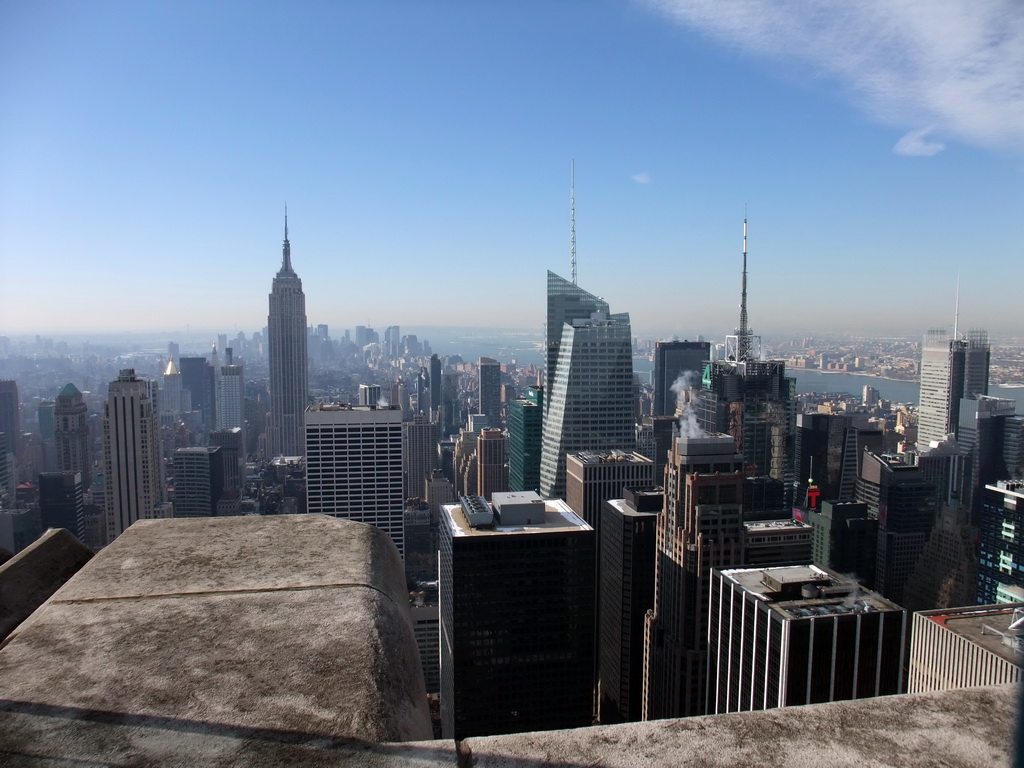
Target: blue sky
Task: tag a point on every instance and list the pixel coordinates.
(423, 148)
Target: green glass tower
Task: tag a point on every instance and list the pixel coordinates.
(525, 419)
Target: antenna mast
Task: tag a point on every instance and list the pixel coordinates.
(956, 316)
(743, 342)
(572, 220)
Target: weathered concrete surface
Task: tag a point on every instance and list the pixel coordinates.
(970, 727)
(30, 577)
(55, 737)
(258, 631)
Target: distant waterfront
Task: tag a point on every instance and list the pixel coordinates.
(835, 383)
(527, 347)
(897, 391)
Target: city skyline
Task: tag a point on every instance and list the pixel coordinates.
(429, 148)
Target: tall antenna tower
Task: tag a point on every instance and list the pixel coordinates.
(572, 220)
(956, 315)
(743, 334)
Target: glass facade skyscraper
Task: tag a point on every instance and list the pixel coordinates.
(589, 400)
(671, 360)
(525, 420)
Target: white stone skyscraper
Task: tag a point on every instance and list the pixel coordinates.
(589, 402)
(133, 468)
(354, 465)
(289, 372)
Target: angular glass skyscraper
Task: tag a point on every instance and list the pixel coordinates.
(589, 398)
(951, 369)
(289, 373)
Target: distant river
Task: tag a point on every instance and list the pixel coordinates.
(897, 391)
(834, 383)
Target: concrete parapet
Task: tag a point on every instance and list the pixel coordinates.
(967, 728)
(29, 578)
(269, 630)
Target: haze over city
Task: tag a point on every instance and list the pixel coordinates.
(423, 150)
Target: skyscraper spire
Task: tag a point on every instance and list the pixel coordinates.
(286, 256)
(572, 220)
(743, 334)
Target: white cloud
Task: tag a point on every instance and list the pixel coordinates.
(642, 178)
(954, 65)
(914, 144)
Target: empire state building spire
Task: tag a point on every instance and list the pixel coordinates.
(286, 250)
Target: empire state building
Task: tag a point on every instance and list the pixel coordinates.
(289, 373)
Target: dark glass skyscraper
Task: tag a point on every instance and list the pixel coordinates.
(755, 402)
(435, 386)
(625, 594)
(905, 502)
(671, 360)
(198, 377)
(62, 501)
(289, 373)
(489, 389)
(10, 415)
(1001, 550)
(517, 654)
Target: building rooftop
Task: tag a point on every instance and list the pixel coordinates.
(804, 591)
(350, 407)
(985, 625)
(626, 509)
(543, 515)
(768, 526)
(613, 456)
(706, 445)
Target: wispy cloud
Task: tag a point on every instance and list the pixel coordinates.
(642, 178)
(915, 144)
(956, 66)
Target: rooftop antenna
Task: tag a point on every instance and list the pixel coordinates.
(572, 219)
(743, 342)
(956, 316)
